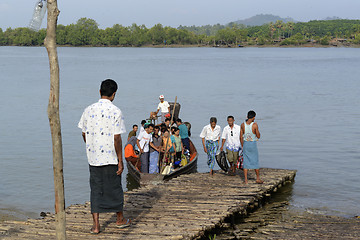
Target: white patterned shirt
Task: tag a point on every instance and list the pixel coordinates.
(100, 122)
(232, 136)
(209, 134)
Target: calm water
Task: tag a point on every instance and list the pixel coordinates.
(307, 104)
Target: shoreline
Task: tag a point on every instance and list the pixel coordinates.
(310, 45)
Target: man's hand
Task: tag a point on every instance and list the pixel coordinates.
(205, 150)
(120, 170)
(221, 149)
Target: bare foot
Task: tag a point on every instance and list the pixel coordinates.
(246, 182)
(95, 230)
(259, 181)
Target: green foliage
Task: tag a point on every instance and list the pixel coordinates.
(85, 32)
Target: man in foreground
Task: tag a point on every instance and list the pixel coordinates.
(102, 124)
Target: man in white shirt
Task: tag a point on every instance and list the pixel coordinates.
(164, 106)
(210, 136)
(144, 141)
(102, 124)
(231, 134)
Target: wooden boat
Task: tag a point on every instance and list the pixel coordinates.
(142, 178)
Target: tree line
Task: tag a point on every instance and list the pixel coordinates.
(86, 32)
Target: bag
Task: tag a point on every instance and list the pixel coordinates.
(183, 160)
(167, 169)
(240, 161)
(221, 161)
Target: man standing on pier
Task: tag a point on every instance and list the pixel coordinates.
(231, 134)
(249, 136)
(102, 124)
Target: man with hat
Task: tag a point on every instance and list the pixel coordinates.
(164, 106)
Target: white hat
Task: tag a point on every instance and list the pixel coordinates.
(161, 96)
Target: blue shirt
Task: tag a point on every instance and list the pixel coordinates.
(184, 133)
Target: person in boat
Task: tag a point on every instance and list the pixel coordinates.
(179, 148)
(167, 146)
(184, 133)
(210, 136)
(144, 142)
(142, 129)
(250, 134)
(130, 154)
(154, 152)
(164, 107)
(102, 124)
(231, 135)
(132, 133)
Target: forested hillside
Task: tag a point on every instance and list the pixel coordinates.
(85, 32)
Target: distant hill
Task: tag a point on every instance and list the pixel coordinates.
(262, 19)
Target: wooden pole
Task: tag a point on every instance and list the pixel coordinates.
(54, 118)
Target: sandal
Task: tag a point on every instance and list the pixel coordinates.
(127, 224)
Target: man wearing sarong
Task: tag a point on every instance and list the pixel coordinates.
(231, 134)
(154, 152)
(210, 136)
(102, 124)
(249, 136)
(184, 133)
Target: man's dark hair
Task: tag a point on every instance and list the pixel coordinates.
(135, 125)
(108, 87)
(157, 127)
(151, 125)
(174, 129)
(213, 119)
(251, 114)
(167, 119)
(230, 117)
(143, 122)
(178, 120)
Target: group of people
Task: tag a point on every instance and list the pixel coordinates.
(235, 138)
(146, 150)
(102, 124)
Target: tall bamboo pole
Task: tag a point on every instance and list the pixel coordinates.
(54, 118)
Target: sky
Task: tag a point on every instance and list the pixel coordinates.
(17, 13)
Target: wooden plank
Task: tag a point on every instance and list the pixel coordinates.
(183, 208)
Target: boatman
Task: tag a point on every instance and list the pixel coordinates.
(231, 134)
(164, 106)
(102, 124)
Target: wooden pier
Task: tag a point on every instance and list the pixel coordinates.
(188, 207)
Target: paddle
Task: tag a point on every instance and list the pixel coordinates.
(167, 141)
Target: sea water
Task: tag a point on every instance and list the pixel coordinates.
(306, 100)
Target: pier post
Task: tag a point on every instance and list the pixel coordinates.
(54, 118)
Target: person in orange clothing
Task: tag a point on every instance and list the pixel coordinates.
(130, 154)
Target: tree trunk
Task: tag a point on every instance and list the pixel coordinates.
(54, 119)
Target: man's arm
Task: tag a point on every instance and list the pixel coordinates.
(118, 150)
(256, 129)
(241, 135)
(203, 142)
(84, 137)
(138, 144)
(154, 147)
(222, 144)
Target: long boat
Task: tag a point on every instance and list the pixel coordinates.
(142, 178)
